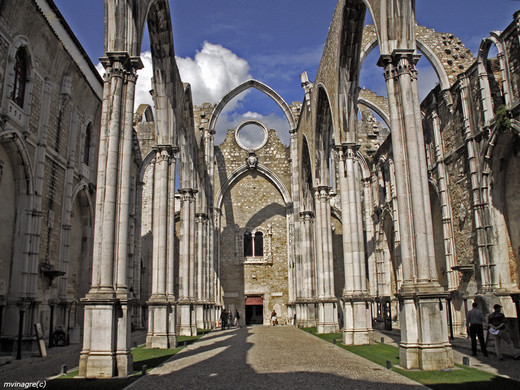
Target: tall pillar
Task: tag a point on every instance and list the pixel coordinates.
(307, 316)
(446, 213)
(356, 313)
(326, 301)
(161, 305)
(106, 342)
(187, 264)
(200, 222)
(424, 330)
(485, 266)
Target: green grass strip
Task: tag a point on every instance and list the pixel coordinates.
(458, 378)
(151, 357)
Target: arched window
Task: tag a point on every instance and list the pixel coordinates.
(20, 77)
(248, 244)
(258, 248)
(253, 244)
(86, 145)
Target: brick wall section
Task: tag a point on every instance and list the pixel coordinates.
(251, 203)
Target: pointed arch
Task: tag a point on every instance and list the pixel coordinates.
(262, 169)
(423, 46)
(252, 83)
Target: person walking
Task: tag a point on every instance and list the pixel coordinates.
(223, 319)
(497, 327)
(274, 319)
(229, 319)
(237, 318)
(476, 321)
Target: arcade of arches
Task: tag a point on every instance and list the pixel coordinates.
(357, 224)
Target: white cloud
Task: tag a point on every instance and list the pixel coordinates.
(213, 72)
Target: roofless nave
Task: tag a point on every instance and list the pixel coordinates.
(343, 229)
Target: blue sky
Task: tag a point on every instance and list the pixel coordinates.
(220, 44)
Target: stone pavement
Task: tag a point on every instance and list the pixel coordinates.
(262, 357)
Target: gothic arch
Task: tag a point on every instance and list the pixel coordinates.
(144, 113)
(377, 110)
(238, 173)
(15, 146)
(307, 177)
(482, 59)
(20, 42)
(22, 279)
(324, 132)
(262, 88)
(428, 52)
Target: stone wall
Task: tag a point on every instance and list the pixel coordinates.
(44, 141)
(254, 204)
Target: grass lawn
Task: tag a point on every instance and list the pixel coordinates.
(459, 378)
(141, 356)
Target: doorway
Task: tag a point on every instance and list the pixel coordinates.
(254, 310)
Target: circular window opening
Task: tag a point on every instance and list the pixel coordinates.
(251, 135)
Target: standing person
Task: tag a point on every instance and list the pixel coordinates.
(273, 318)
(237, 318)
(476, 320)
(497, 323)
(223, 318)
(229, 319)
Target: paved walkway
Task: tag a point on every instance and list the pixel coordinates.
(261, 357)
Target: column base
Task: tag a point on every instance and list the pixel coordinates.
(199, 315)
(185, 325)
(424, 333)
(99, 359)
(432, 358)
(327, 317)
(161, 324)
(357, 319)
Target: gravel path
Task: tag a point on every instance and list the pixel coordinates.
(262, 357)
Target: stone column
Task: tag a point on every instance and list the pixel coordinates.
(161, 315)
(295, 243)
(445, 201)
(357, 315)
(368, 209)
(327, 311)
(200, 222)
(424, 331)
(186, 263)
(307, 315)
(106, 342)
(210, 228)
(485, 266)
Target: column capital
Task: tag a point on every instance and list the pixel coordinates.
(322, 193)
(349, 149)
(201, 217)
(306, 215)
(123, 58)
(401, 61)
(463, 81)
(187, 194)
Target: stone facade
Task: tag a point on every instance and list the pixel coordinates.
(48, 157)
(354, 225)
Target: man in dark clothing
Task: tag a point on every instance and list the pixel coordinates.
(476, 321)
(237, 318)
(497, 327)
(223, 318)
